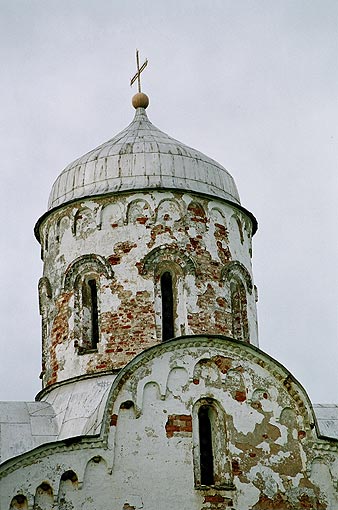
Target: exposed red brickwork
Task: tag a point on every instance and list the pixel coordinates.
(283, 502)
(214, 498)
(113, 420)
(236, 470)
(127, 321)
(178, 423)
(240, 396)
(223, 363)
(59, 335)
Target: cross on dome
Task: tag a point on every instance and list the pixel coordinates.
(140, 100)
(137, 75)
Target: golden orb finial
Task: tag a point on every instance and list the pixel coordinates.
(140, 100)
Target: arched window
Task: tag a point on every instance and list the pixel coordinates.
(211, 452)
(167, 306)
(90, 331)
(206, 450)
(83, 277)
(239, 313)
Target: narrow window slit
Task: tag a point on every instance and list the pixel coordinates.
(205, 443)
(94, 314)
(167, 306)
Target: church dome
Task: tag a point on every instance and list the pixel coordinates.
(142, 157)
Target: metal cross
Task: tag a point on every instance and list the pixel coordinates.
(137, 75)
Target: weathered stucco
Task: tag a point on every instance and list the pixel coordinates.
(126, 241)
(267, 451)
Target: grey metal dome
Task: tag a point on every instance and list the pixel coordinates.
(142, 157)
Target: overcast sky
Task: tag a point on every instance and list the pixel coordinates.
(251, 83)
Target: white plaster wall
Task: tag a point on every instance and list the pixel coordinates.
(271, 447)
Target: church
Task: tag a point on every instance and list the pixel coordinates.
(155, 394)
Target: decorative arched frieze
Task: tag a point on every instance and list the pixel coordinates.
(84, 222)
(239, 223)
(62, 224)
(219, 223)
(196, 212)
(177, 379)
(236, 268)
(138, 212)
(168, 210)
(207, 370)
(167, 253)
(89, 263)
(110, 215)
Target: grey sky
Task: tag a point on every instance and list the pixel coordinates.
(251, 84)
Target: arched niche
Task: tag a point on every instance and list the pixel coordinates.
(19, 502)
(62, 226)
(168, 211)
(196, 217)
(138, 212)
(177, 378)
(95, 478)
(111, 215)
(67, 488)
(151, 395)
(84, 222)
(206, 370)
(219, 223)
(44, 498)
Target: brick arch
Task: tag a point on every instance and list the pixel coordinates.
(170, 254)
(85, 264)
(235, 269)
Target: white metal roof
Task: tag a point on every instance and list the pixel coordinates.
(142, 157)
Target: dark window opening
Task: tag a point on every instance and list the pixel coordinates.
(205, 442)
(90, 319)
(167, 306)
(239, 312)
(94, 314)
